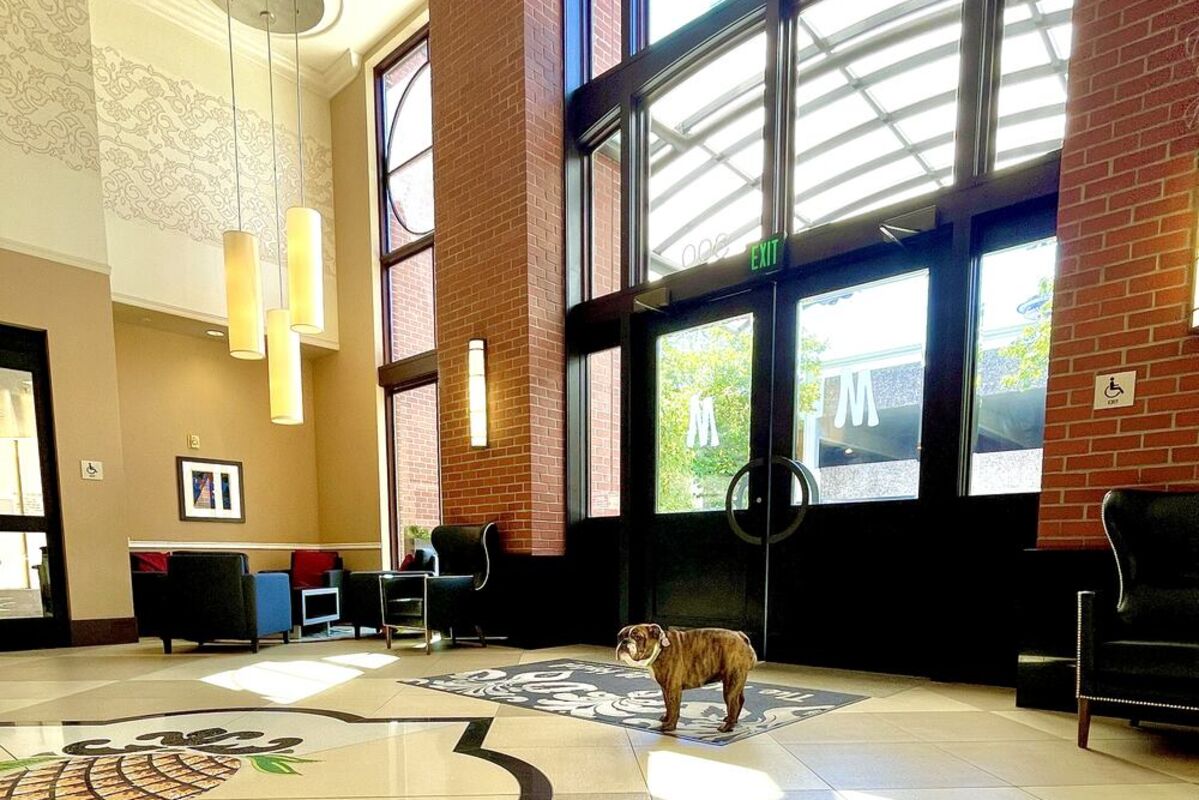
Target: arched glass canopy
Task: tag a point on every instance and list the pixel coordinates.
(874, 109)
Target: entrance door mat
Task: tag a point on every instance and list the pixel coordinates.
(617, 695)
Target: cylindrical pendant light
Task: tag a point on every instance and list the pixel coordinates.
(305, 278)
(476, 370)
(243, 295)
(305, 271)
(283, 361)
(282, 341)
(243, 279)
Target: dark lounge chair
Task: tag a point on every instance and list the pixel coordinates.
(449, 602)
(212, 596)
(1139, 655)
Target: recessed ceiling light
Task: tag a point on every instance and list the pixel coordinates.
(214, 333)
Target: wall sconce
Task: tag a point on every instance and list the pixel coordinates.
(1195, 296)
(476, 368)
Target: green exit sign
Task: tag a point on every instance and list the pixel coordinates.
(767, 254)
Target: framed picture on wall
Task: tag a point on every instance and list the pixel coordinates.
(210, 490)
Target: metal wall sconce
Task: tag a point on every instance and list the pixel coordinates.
(476, 368)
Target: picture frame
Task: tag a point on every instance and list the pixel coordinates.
(210, 490)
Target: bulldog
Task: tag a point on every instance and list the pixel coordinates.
(689, 659)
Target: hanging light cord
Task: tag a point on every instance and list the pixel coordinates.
(295, 8)
(270, 68)
(233, 92)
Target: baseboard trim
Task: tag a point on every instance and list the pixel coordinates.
(114, 630)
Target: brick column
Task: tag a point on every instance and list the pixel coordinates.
(497, 140)
(1126, 234)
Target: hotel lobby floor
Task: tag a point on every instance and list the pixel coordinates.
(329, 720)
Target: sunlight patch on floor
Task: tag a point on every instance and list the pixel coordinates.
(675, 776)
(287, 682)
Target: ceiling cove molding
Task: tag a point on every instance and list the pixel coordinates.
(342, 71)
(56, 256)
(203, 20)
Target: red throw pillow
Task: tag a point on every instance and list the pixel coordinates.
(150, 562)
(406, 564)
(309, 568)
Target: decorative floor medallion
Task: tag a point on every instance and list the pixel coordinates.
(246, 753)
(620, 696)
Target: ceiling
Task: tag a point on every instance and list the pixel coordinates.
(330, 53)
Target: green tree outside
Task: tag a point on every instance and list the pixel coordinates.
(714, 360)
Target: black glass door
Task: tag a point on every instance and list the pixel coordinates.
(33, 611)
(702, 375)
(779, 473)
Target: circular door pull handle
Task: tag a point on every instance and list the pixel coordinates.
(801, 473)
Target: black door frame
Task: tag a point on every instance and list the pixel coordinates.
(774, 302)
(737, 555)
(28, 350)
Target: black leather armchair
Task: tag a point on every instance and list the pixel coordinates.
(212, 596)
(1141, 653)
(449, 601)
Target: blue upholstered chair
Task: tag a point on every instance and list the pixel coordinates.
(212, 596)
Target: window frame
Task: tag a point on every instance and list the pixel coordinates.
(418, 370)
(960, 214)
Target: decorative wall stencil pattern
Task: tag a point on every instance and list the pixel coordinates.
(166, 153)
(47, 105)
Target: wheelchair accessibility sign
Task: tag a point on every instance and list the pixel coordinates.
(1115, 390)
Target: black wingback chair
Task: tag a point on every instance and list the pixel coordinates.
(451, 601)
(1141, 653)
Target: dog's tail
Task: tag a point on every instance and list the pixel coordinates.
(749, 644)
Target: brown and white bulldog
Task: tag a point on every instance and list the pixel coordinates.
(689, 659)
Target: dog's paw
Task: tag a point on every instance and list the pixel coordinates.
(667, 727)
(727, 727)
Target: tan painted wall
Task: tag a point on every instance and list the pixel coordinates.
(348, 402)
(172, 385)
(74, 307)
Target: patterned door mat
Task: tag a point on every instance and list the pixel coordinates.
(617, 695)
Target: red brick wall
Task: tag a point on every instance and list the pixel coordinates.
(605, 35)
(411, 287)
(1126, 226)
(603, 422)
(497, 119)
(605, 224)
(418, 499)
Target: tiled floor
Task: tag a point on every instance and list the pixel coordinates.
(329, 720)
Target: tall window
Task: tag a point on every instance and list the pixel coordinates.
(409, 376)
(1011, 367)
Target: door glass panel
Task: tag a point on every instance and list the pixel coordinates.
(20, 465)
(705, 164)
(24, 575)
(876, 105)
(860, 389)
(1012, 368)
(704, 381)
(1032, 87)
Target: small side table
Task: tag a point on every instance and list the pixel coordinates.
(318, 606)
